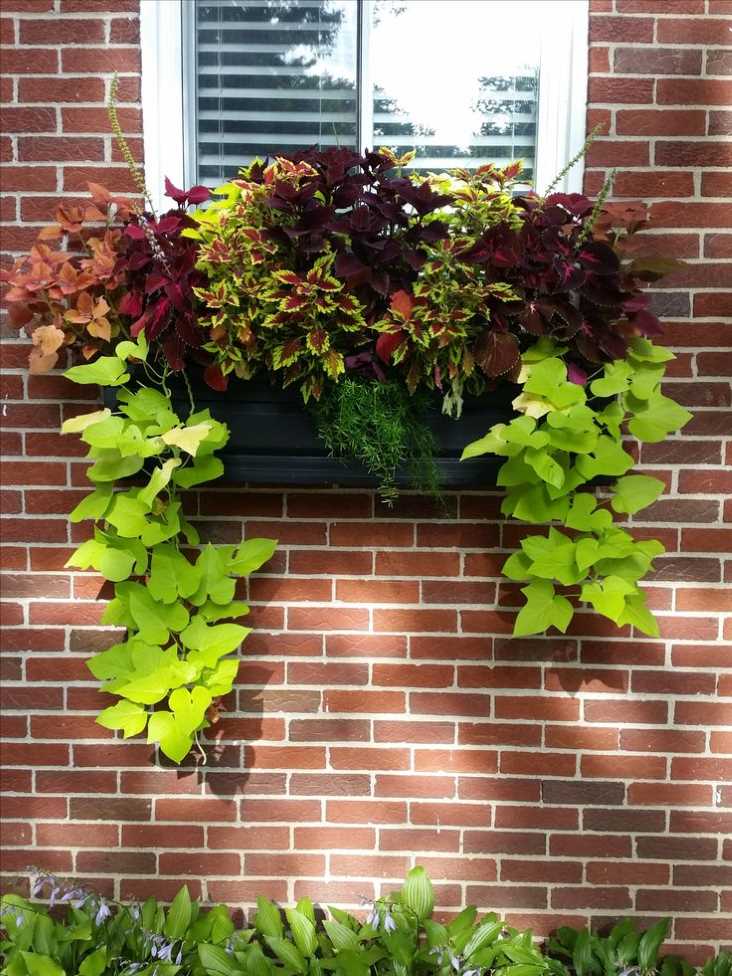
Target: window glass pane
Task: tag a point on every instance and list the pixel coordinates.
(272, 76)
(456, 80)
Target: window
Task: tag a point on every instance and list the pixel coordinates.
(460, 82)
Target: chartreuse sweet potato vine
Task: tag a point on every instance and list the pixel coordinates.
(564, 439)
(176, 659)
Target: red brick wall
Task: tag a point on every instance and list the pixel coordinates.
(384, 714)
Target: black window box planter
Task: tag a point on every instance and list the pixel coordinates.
(274, 439)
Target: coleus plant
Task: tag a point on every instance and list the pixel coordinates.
(567, 435)
(175, 662)
(336, 263)
(108, 270)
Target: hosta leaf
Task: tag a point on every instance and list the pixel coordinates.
(650, 943)
(179, 915)
(287, 953)
(268, 920)
(485, 934)
(303, 932)
(417, 893)
(95, 963)
(38, 964)
(340, 935)
(216, 961)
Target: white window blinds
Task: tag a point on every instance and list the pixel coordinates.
(454, 80)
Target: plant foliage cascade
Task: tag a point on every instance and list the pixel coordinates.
(180, 612)
(398, 937)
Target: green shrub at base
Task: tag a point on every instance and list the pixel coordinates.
(398, 937)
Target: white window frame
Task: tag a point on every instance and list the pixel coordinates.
(168, 88)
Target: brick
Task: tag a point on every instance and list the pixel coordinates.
(627, 872)
(329, 562)
(623, 821)
(537, 709)
(716, 184)
(668, 794)
(415, 621)
(422, 732)
(667, 122)
(677, 848)
(100, 60)
(29, 178)
(618, 154)
(62, 148)
(36, 60)
(368, 758)
(638, 30)
(413, 675)
(58, 30)
(595, 897)
(657, 61)
(503, 842)
(719, 62)
(377, 591)
(659, 183)
(693, 30)
(660, 6)
(694, 91)
(417, 564)
(28, 119)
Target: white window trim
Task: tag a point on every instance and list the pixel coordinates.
(168, 87)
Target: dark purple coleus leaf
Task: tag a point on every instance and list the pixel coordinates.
(194, 196)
